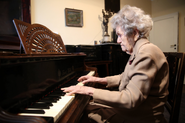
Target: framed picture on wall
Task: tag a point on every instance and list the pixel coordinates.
(74, 17)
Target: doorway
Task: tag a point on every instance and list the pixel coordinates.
(164, 33)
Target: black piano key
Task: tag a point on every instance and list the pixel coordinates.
(72, 82)
(56, 95)
(51, 98)
(59, 93)
(40, 106)
(33, 111)
(48, 100)
(48, 103)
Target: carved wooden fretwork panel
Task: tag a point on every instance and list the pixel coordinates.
(38, 39)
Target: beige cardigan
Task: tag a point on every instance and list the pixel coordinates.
(143, 86)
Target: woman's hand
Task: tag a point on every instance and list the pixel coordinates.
(78, 90)
(86, 79)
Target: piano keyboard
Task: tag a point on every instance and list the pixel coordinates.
(55, 109)
(91, 73)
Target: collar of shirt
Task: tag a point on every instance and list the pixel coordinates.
(132, 57)
(138, 44)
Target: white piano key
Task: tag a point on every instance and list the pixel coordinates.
(91, 73)
(58, 108)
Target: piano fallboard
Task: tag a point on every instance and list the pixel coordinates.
(27, 79)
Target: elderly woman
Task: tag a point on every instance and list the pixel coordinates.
(144, 82)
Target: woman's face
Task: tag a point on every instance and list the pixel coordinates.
(126, 43)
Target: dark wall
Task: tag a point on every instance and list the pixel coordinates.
(9, 10)
(113, 5)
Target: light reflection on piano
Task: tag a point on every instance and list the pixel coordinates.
(56, 108)
(33, 88)
(31, 82)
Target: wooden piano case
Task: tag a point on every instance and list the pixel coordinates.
(45, 59)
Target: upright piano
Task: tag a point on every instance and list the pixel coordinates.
(30, 90)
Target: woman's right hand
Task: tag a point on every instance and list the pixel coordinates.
(87, 78)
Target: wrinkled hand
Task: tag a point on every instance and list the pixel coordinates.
(78, 90)
(86, 79)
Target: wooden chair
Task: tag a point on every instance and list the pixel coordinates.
(176, 78)
(38, 39)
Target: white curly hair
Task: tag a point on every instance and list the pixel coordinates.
(131, 18)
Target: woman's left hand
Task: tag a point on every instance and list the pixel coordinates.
(78, 89)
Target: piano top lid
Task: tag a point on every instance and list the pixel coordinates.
(38, 39)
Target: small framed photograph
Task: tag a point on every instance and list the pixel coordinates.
(74, 17)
